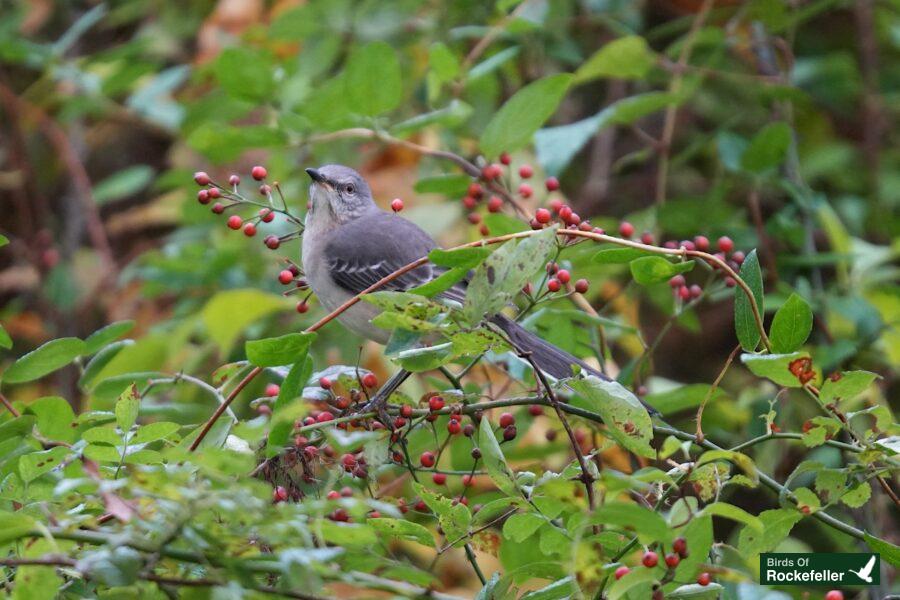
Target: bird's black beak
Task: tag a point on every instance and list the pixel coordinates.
(316, 176)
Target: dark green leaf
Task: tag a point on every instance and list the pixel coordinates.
(791, 325)
(53, 355)
(494, 461)
(461, 257)
(626, 419)
(401, 528)
(372, 81)
(284, 350)
(656, 269)
(100, 338)
(515, 123)
(292, 386)
(744, 322)
(123, 184)
(5, 340)
(887, 550)
(767, 148)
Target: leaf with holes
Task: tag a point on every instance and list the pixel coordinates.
(626, 419)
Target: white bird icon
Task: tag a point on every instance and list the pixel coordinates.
(866, 572)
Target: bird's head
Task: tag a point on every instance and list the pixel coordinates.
(338, 193)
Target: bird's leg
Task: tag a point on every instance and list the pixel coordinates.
(378, 402)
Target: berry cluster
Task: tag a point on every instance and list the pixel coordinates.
(229, 198)
(650, 560)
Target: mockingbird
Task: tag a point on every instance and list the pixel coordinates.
(349, 244)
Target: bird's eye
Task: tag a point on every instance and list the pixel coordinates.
(349, 188)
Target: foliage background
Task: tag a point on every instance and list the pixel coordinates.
(770, 122)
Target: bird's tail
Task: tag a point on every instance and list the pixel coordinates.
(551, 360)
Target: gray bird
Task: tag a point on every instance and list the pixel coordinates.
(349, 244)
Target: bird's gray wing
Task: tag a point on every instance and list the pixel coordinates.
(366, 250)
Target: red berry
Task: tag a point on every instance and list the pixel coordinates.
(647, 238)
(234, 222)
(650, 559)
(454, 427)
(469, 430)
(427, 459)
(626, 229)
(738, 257)
(349, 461)
(264, 409)
(324, 383)
(687, 245)
(581, 286)
(535, 410)
(696, 291)
(266, 215)
(563, 276)
(622, 572)
(565, 213)
(684, 293)
(302, 307)
(285, 277)
(505, 158)
(490, 172)
(333, 495)
(525, 171)
(834, 595)
(677, 281)
(406, 410)
(259, 173)
(725, 244)
(272, 390)
(554, 285)
(439, 478)
(730, 282)
(203, 197)
(495, 204)
(543, 216)
(396, 205)
(272, 242)
(525, 190)
(702, 243)
(469, 202)
(214, 193)
(370, 380)
(484, 231)
(573, 219)
(234, 180)
(201, 178)
(218, 208)
(552, 184)
(324, 417)
(535, 225)
(474, 218)
(507, 419)
(279, 494)
(672, 560)
(510, 433)
(704, 579)
(475, 190)
(435, 403)
(399, 422)
(249, 229)
(556, 205)
(680, 546)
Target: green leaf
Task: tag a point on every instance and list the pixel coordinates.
(777, 525)
(618, 256)
(830, 484)
(32, 466)
(14, 525)
(767, 148)
(887, 550)
(5, 341)
(53, 355)
(628, 57)
(401, 528)
(494, 461)
(656, 269)
(695, 591)
(774, 366)
(442, 283)
(850, 385)
(626, 419)
(245, 73)
(154, 431)
(460, 257)
(740, 460)
(228, 313)
(744, 322)
(102, 435)
(858, 495)
(127, 407)
(283, 350)
(560, 589)
(293, 383)
(684, 397)
(454, 519)
(648, 525)
(636, 584)
(449, 184)
(452, 115)
(55, 418)
(443, 62)
(729, 511)
(520, 526)
(791, 325)
(428, 358)
(103, 337)
(99, 361)
(126, 182)
(372, 80)
(3, 240)
(522, 115)
(503, 274)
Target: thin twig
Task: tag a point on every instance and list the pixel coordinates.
(712, 390)
(12, 409)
